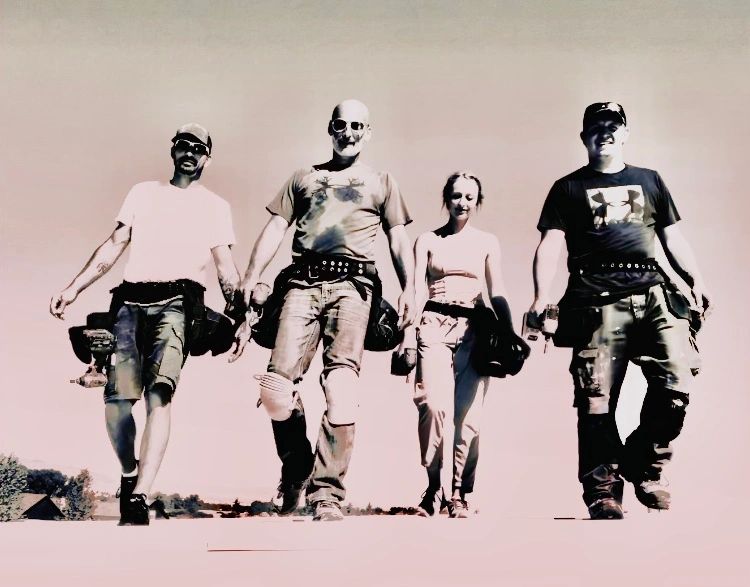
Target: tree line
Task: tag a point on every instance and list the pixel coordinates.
(16, 479)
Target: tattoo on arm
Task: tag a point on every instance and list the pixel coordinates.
(102, 268)
(228, 287)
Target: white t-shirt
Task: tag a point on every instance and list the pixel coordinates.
(173, 231)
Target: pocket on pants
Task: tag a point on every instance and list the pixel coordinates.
(576, 326)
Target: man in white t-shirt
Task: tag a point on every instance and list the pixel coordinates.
(174, 228)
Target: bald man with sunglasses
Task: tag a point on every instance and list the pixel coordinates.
(175, 229)
(336, 208)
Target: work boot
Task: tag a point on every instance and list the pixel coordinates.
(606, 508)
(287, 498)
(458, 508)
(127, 485)
(136, 511)
(327, 511)
(653, 493)
(431, 504)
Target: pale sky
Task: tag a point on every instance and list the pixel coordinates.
(91, 96)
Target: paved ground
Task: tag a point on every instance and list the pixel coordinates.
(643, 550)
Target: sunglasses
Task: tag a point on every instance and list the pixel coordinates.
(184, 145)
(339, 125)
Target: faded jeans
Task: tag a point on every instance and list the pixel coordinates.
(446, 383)
(336, 313)
(638, 328)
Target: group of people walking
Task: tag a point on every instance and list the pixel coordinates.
(618, 307)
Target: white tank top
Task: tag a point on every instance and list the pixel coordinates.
(456, 266)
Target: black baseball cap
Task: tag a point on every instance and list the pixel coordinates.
(603, 109)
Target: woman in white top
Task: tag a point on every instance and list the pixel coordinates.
(454, 264)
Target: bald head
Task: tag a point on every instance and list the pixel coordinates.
(351, 110)
(349, 128)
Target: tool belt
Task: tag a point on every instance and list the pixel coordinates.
(496, 353)
(313, 268)
(453, 310)
(615, 265)
(151, 292)
(206, 329)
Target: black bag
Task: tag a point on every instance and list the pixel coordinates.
(495, 353)
(575, 326)
(383, 333)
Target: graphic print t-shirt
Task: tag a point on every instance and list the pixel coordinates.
(338, 212)
(608, 217)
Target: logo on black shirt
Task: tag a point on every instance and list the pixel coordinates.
(616, 205)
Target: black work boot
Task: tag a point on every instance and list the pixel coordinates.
(653, 493)
(288, 496)
(606, 508)
(127, 485)
(136, 511)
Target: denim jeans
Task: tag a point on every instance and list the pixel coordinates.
(149, 349)
(336, 313)
(446, 383)
(640, 329)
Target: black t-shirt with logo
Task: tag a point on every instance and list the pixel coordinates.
(608, 217)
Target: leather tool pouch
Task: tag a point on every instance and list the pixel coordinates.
(576, 325)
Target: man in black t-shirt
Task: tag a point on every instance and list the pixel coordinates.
(617, 308)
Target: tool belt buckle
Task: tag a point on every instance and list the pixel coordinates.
(313, 272)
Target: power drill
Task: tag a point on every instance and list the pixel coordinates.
(544, 324)
(101, 344)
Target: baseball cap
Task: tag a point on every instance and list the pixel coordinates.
(599, 109)
(195, 130)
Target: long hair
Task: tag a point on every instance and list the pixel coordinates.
(448, 189)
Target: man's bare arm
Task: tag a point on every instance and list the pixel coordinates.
(229, 277)
(101, 261)
(263, 251)
(682, 259)
(545, 266)
(265, 248)
(403, 262)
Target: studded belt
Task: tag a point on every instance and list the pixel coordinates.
(615, 266)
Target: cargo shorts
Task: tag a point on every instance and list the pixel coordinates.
(150, 349)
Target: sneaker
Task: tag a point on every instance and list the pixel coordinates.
(653, 493)
(127, 485)
(458, 508)
(606, 508)
(287, 498)
(327, 511)
(431, 504)
(135, 512)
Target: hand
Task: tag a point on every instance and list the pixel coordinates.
(59, 302)
(405, 309)
(403, 361)
(702, 301)
(235, 307)
(241, 338)
(538, 307)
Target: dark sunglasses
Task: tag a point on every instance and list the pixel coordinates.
(197, 148)
(339, 125)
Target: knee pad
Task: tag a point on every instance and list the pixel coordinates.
(665, 411)
(340, 386)
(277, 395)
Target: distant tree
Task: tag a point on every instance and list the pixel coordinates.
(192, 503)
(12, 484)
(79, 499)
(46, 481)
